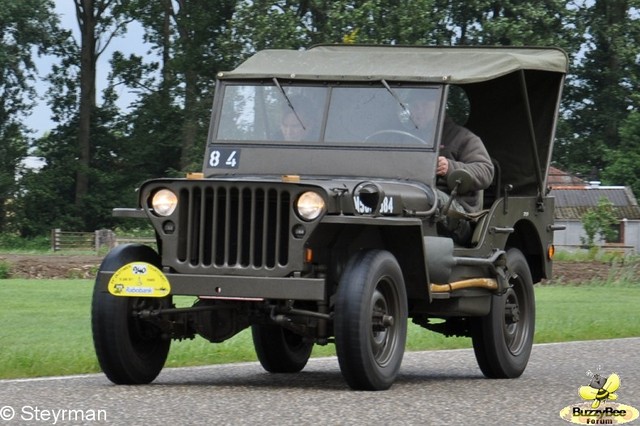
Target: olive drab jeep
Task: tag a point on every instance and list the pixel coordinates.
(316, 217)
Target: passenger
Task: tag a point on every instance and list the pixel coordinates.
(299, 123)
(291, 127)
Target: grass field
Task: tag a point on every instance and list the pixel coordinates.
(46, 326)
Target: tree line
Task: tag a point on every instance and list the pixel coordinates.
(96, 153)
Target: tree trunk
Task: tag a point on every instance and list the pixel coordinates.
(190, 125)
(167, 76)
(87, 22)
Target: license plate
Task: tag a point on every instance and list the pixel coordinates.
(139, 279)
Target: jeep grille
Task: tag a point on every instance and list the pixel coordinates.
(234, 226)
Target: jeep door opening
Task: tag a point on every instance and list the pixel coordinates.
(315, 219)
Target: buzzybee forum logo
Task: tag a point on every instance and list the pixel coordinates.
(599, 407)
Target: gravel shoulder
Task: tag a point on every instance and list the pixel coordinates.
(51, 266)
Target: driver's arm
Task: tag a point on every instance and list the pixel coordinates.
(464, 150)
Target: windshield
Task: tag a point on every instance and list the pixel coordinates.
(374, 114)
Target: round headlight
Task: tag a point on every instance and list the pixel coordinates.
(310, 205)
(164, 202)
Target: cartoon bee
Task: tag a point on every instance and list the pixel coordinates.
(600, 389)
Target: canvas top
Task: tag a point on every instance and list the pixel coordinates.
(455, 65)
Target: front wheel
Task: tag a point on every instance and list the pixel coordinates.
(280, 350)
(503, 339)
(370, 322)
(129, 349)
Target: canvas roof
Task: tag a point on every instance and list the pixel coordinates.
(456, 65)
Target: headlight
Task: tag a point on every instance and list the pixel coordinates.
(310, 205)
(164, 202)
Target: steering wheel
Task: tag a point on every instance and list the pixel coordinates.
(394, 132)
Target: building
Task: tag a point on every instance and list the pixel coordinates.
(574, 197)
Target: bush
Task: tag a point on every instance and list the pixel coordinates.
(600, 220)
(4, 270)
(14, 242)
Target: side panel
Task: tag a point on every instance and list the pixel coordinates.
(518, 222)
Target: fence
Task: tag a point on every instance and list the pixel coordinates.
(96, 240)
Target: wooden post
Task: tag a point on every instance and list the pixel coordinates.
(55, 239)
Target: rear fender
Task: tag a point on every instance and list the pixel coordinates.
(527, 239)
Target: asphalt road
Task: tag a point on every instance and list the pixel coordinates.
(435, 387)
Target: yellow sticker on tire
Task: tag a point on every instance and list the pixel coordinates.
(139, 279)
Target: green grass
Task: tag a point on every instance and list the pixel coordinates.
(46, 326)
(597, 254)
(587, 312)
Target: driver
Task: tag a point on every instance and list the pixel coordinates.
(462, 149)
(459, 149)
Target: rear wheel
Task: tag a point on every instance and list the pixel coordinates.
(129, 350)
(371, 320)
(280, 350)
(503, 339)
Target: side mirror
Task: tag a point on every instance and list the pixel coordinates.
(459, 181)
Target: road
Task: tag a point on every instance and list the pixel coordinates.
(434, 387)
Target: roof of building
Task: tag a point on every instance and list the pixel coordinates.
(559, 178)
(573, 202)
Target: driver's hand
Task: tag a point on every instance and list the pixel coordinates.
(443, 166)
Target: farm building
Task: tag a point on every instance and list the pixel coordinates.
(574, 197)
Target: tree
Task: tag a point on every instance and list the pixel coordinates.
(71, 190)
(520, 23)
(293, 24)
(96, 18)
(624, 162)
(600, 220)
(190, 42)
(13, 148)
(599, 96)
(264, 24)
(25, 26)
(382, 21)
(187, 34)
(49, 201)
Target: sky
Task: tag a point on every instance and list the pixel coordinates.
(132, 42)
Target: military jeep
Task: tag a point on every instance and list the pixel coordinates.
(315, 218)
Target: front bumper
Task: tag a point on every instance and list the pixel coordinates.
(238, 287)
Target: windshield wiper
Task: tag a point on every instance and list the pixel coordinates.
(277, 83)
(402, 105)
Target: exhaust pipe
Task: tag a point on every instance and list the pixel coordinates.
(488, 283)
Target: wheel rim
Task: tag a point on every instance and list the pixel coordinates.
(516, 317)
(384, 330)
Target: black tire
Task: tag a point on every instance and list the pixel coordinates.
(503, 339)
(129, 350)
(369, 349)
(280, 350)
